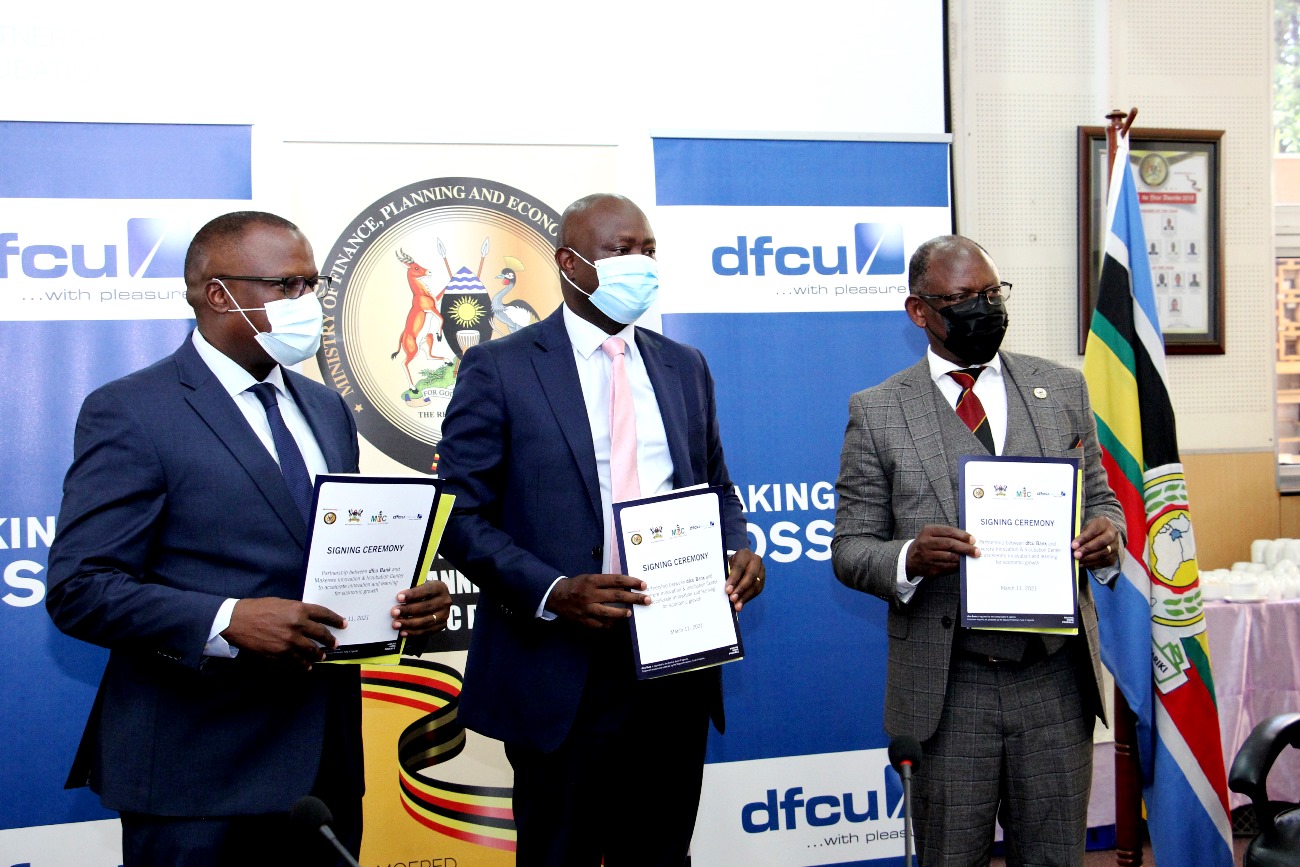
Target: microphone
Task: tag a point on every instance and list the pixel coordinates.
(311, 812)
(905, 756)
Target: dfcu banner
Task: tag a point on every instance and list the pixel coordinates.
(97, 217)
(94, 223)
(804, 227)
(785, 262)
(830, 808)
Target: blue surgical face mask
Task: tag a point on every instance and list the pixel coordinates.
(627, 285)
(296, 327)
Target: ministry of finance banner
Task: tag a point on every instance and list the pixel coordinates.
(433, 250)
(785, 262)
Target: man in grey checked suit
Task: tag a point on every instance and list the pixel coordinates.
(1005, 719)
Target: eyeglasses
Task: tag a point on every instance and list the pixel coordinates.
(292, 287)
(995, 295)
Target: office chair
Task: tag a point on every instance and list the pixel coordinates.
(1278, 841)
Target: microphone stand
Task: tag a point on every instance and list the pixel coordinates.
(910, 853)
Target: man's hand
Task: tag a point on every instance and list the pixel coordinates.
(596, 601)
(283, 629)
(937, 550)
(745, 577)
(422, 609)
(1098, 545)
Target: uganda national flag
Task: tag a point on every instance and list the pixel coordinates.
(1152, 620)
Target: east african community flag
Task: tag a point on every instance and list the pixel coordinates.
(1152, 619)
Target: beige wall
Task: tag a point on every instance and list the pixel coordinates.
(1234, 500)
(1025, 75)
(1286, 179)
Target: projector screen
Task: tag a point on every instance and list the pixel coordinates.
(486, 72)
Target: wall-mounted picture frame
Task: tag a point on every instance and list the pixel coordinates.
(1177, 173)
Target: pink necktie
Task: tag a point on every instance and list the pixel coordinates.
(624, 481)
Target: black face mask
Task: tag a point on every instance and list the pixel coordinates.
(975, 329)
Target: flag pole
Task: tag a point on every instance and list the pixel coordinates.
(1128, 775)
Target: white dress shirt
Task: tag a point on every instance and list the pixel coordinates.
(653, 461)
(236, 381)
(991, 389)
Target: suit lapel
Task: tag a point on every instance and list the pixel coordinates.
(217, 409)
(558, 374)
(672, 403)
(1025, 382)
(920, 411)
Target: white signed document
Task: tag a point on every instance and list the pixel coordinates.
(366, 542)
(1023, 513)
(674, 543)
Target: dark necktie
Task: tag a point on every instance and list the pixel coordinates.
(969, 408)
(292, 465)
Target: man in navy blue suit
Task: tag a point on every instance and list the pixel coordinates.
(180, 548)
(605, 765)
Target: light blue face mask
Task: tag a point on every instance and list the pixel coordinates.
(296, 327)
(627, 285)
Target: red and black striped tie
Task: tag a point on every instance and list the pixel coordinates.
(969, 408)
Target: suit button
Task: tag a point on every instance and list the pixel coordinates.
(947, 622)
(597, 552)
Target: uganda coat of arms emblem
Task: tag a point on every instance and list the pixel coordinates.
(420, 276)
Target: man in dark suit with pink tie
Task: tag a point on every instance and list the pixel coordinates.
(546, 429)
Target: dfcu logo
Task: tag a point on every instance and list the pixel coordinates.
(820, 811)
(878, 249)
(155, 248)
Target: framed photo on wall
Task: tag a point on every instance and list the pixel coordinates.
(1176, 172)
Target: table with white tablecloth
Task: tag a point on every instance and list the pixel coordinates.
(1255, 657)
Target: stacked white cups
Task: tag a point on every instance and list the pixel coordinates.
(1272, 573)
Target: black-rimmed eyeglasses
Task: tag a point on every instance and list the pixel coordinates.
(995, 295)
(292, 287)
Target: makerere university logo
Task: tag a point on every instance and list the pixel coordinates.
(420, 276)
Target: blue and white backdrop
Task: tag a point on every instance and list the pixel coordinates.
(785, 261)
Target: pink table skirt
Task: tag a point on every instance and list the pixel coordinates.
(1255, 656)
